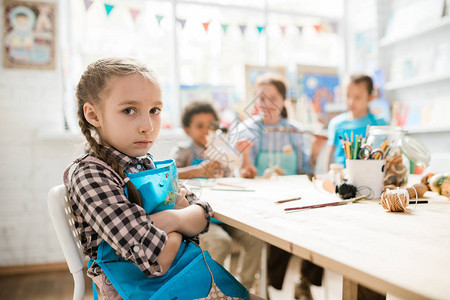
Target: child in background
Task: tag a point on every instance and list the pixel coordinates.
(197, 118)
(356, 119)
(134, 224)
(290, 154)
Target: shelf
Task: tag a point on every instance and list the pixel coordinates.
(401, 84)
(425, 129)
(441, 23)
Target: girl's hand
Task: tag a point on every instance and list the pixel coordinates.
(212, 169)
(244, 146)
(248, 171)
(181, 201)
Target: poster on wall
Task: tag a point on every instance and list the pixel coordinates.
(29, 35)
(319, 86)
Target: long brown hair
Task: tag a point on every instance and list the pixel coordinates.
(93, 88)
(278, 82)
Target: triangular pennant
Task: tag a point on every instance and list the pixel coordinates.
(134, 13)
(300, 28)
(206, 25)
(87, 4)
(108, 8)
(159, 19)
(260, 29)
(182, 22)
(224, 27)
(242, 28)
(283, 29)
(334, 27)
(318, 28)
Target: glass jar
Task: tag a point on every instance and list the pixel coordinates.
(401, 148)
(336, 174)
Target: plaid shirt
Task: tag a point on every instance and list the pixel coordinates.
(102, 212)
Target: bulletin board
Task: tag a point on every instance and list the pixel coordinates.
(29, 35)
(320, 86)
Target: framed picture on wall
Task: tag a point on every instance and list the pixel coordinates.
(29, 35)
(320, 87)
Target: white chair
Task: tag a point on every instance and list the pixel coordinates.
(60, 214)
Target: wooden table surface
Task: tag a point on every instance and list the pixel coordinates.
(403, 254)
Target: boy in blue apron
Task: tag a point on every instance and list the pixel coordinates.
(264, 149)
(356, 119)
(197, 118)
(139, 232)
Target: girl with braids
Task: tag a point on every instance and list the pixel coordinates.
(137, 227)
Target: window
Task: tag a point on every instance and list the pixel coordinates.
(200, 49)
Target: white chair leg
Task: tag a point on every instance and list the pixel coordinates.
(78, 290)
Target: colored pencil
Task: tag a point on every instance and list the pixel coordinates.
(288, 200)
(230, 185)
(325, 204)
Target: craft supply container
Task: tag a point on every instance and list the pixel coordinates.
(402, 148)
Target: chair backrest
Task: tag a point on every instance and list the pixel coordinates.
(61, 216)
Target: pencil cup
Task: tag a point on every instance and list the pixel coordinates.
(367, 176)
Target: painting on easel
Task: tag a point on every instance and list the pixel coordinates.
(29, 35)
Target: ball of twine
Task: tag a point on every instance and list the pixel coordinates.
(395, 200)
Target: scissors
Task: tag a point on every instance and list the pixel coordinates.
(377, 154)
(365, 151)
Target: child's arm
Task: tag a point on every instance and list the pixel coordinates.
(318, 142)
(188, 221)
(98, 199)
(329, 156)
(209, 168)
(169, 252)
(247, 170)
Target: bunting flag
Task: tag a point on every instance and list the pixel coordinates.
(318, 28)
(159, 19)
(283, 29)
(134, 13)
(242, 28)
(334, 27)
(108, 8)
(182, 22)
(87, 4)
(224, 27)
(206, 25)
(300, 28)
(260, 29)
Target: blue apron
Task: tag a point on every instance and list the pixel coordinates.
(339, 155)
(189, 276)
(197, 161)
(288, 161)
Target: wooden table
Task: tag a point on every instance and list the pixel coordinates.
(403, 254)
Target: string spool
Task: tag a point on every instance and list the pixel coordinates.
(395, 200)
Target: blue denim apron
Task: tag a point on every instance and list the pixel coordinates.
(288, 161)
(189, 276)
